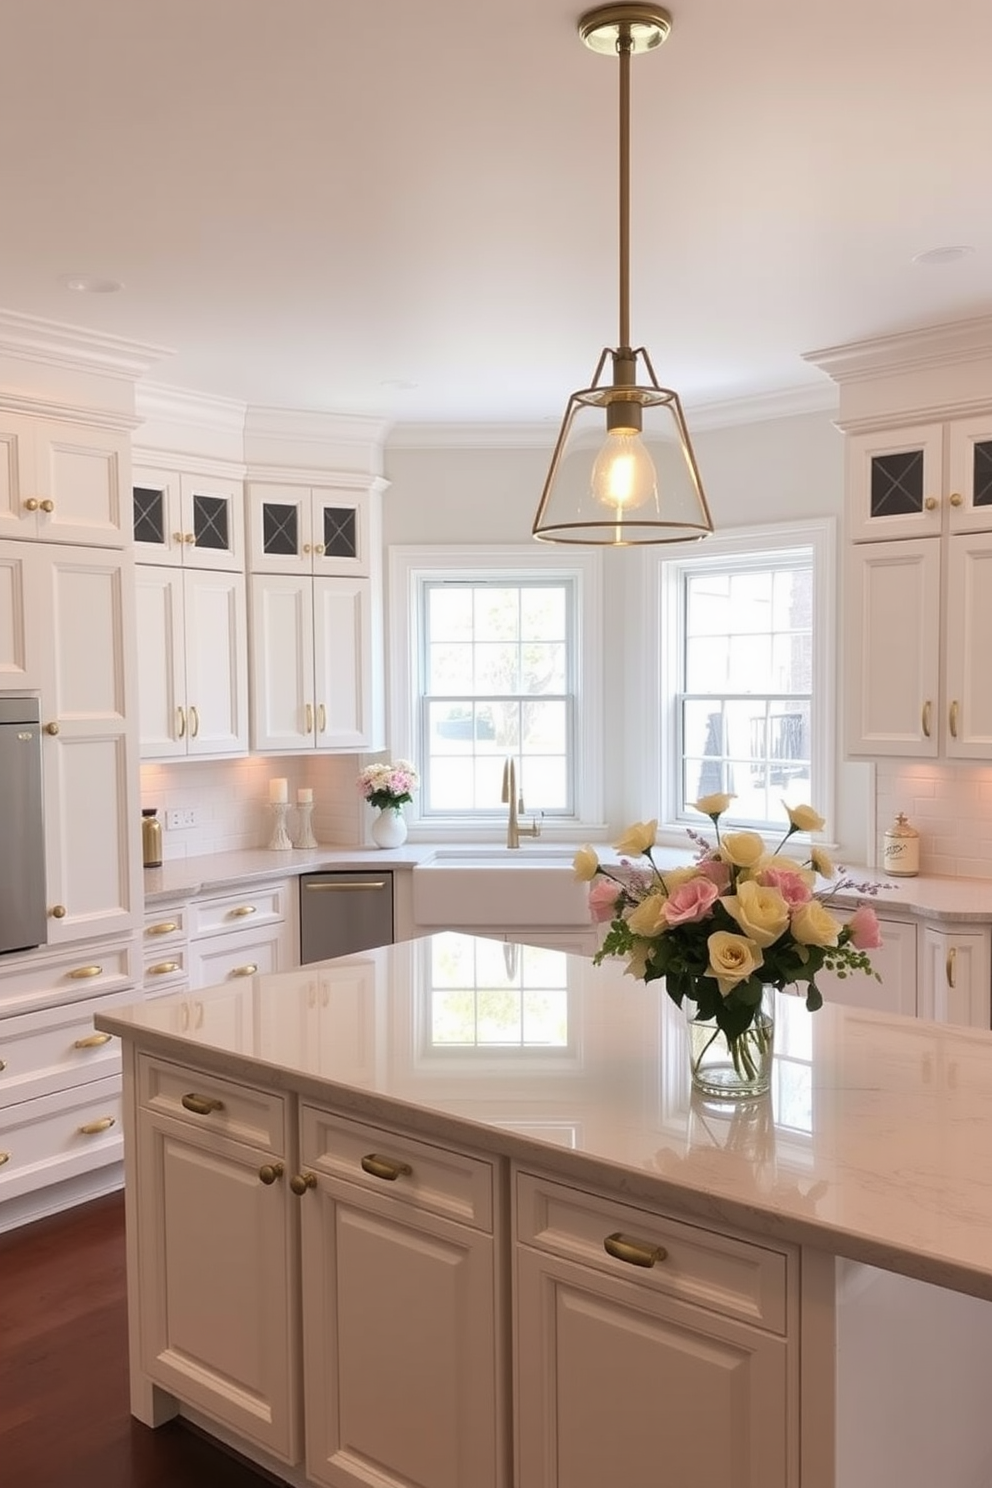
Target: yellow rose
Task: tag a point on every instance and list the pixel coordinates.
(743, 849)
(586, 864)
(804, 818)
(733, 958)
(714, 805)
(638, 838)
(761, 913)
(822, 863)
(813, 925)
(646, 918)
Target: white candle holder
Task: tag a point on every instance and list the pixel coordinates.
(279, 841)
(304, 836)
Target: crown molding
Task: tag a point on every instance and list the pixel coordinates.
(314, 427)
(906, 351)
(455, 436)
(72, 347)
(67, 413)
(300, 474)
(757, 408)
(159, 403)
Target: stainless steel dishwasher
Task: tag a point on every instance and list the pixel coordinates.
(344, 912)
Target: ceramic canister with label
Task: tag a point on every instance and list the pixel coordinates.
(901, 854)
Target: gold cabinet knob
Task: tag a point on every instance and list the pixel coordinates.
(31, 504)
(388, 1168)
(189, 537)
(634, 1252)
(3, 1065)
(957, 499)
(4, 1158)
(94, 1128)
(47, 505)
(306, 547)
(320, 549)
(300, 1182)
(177, 537)
(931, 503)
(52, 728)
(269, 1172)
(201, 1105)
(58, 911)
(93, 1041)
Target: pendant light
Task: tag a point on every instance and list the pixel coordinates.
(641, 483)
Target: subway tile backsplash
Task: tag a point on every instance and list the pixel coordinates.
(949, 804)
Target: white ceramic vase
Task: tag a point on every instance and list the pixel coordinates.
(389, 827)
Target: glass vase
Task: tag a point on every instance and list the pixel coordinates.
(389, 827)
(733, 1068)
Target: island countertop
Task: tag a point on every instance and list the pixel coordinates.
(876, 1142)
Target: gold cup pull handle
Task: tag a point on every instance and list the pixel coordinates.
(201, 1105)
(925, 718)
(249, 969)
(949, 967)
(166, 927)
(634, 1252)
(4, 1158)
(164, 968)
(94, 1128)
(388, 1168)
(300, 1182)
(83, 973)
(241, 910)
(93, 1041)
(269, 1172)
(3, 1065)
(953, 719)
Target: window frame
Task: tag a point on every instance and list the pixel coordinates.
(718, 552)
(411, 569)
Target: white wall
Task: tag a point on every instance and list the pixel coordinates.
(761, 472)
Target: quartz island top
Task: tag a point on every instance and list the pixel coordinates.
(875, 1144)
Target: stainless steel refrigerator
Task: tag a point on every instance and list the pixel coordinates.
(23, 912)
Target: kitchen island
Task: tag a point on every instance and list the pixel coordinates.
(447, 1214)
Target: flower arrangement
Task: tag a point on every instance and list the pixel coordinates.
(738, 919)
(388, 787)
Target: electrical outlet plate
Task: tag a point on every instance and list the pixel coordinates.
(185, 817)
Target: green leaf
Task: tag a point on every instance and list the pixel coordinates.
(814, 998)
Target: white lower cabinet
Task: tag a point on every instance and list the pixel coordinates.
(217, 1239)
(402, 1369)
(955, 976)
(648, 1351)
(237, 934)
(895, 960)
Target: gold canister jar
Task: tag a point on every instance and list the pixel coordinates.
(901, 853)
(151, 838)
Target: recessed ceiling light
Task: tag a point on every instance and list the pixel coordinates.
(91, 284)
(950, 254)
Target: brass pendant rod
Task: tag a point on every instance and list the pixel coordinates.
(624, 48)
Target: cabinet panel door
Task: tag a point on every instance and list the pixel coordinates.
(970, 474)
(340, 524)
(162, 680)
(969, 630)
(895, 483)
(895, 960)
(17, 477)
(616, 1386)
(955, 978)
(213, 522)
(225, 958)
(399, 1346)
(218, 1290)
(216, 654)
(85, 475)
(281, 630)
(279, 537)
(343, 663)
(156, 516)
(892, 648)
(22, 618)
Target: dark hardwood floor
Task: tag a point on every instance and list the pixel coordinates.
(64, 1417)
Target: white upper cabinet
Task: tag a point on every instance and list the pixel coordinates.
(920, 480)
(63, 482)
(188, 520)
(308, 530)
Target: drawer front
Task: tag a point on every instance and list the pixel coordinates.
(167, 969)
(211, 1103)
(71, 975)
(244, 911)
(59, 1136)
(226, 958)
(164, 926)
(56, 1049)
(732, 1277)
(440, 1181)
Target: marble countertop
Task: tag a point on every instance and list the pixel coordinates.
(876, 1143)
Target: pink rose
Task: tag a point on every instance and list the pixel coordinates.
(603, 896)
(790, 885)
(865, 932)
(691, 902)
(717, 871)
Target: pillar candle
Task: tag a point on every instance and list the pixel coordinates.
(304, 795)
(278, 791)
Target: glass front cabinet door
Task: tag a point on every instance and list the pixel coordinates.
(187, 520)
(308, 530)
(920, 480)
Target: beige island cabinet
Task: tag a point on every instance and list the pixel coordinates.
(447, 1215)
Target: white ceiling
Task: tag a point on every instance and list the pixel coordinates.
(408, 208)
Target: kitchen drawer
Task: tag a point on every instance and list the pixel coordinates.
(48, 979)
(167, 970)
(728, 1276)
(440, 1181)
(246, 910)
(164, 927)
(56, 1049)
(223, 958)
(56, 1137)
(257, 1117)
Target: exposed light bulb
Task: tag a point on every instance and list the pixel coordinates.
(624, 477)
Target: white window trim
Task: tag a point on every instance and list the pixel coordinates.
(408, 569)
(664, 568)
